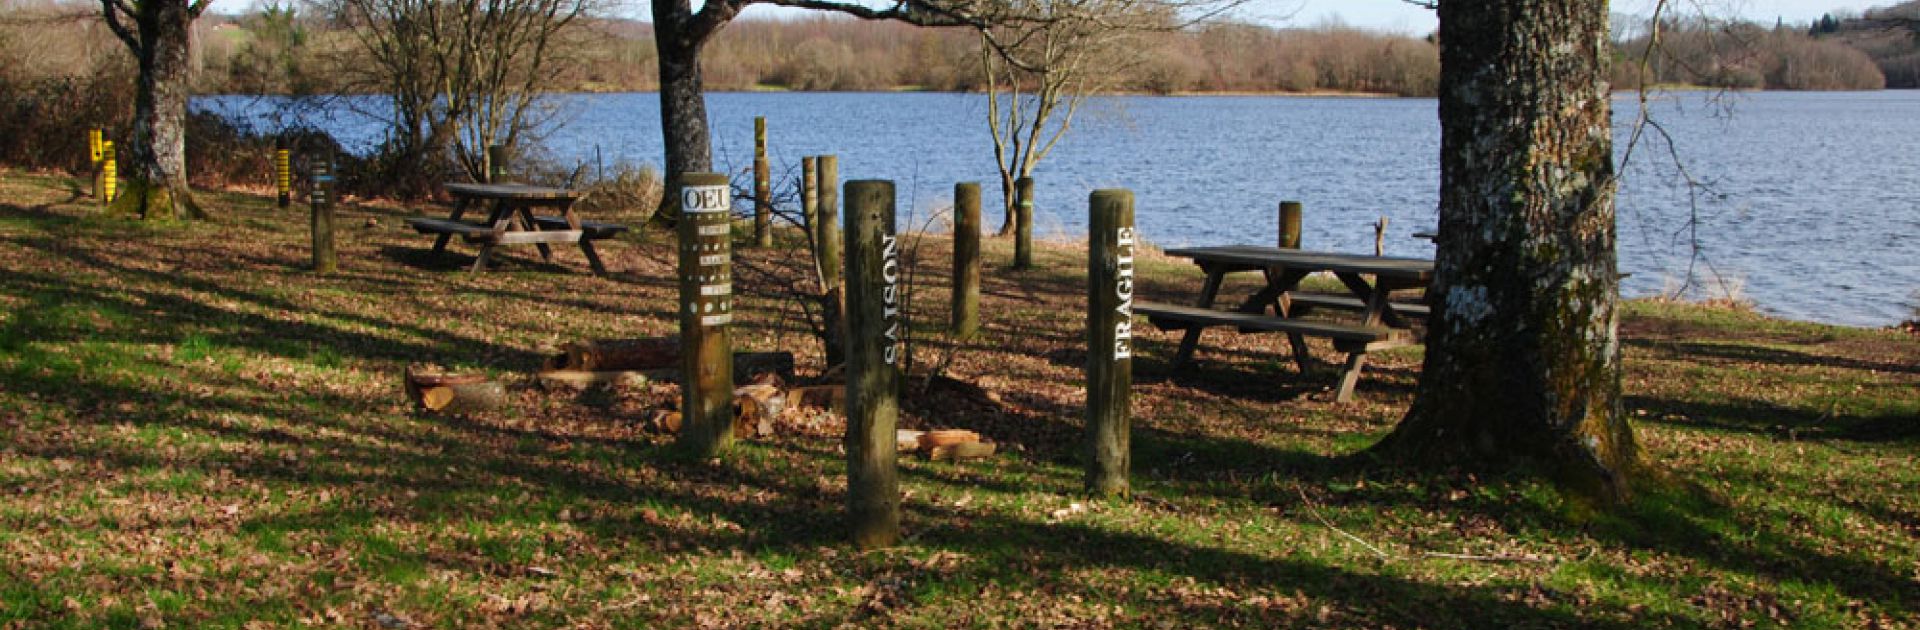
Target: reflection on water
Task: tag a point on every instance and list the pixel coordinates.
(1803, 203)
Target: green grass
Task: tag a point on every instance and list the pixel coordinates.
(201, 433)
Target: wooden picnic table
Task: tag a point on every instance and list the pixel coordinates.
(1370, 282)
(511, 221)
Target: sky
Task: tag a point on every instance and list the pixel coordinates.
(1396, 16)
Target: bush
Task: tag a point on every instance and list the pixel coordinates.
(626, 194)
(44, 122)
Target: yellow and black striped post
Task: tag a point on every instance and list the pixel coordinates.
(283, 175)
(109, 173)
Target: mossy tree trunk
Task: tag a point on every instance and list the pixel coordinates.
(156, 169)
(1523, 360)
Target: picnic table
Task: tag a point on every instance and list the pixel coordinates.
(511, 221)
(1378, 322)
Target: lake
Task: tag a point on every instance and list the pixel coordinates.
(1805, 204)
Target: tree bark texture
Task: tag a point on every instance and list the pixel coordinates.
(156, 166)
(683, 101)
(1523, 360)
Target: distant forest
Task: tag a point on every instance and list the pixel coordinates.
(285, 51)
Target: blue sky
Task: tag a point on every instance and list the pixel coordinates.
(1399, 16)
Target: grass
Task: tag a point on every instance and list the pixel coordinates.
(200, 433)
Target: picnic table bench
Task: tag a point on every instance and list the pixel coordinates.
(511, 221)
(1382, 322)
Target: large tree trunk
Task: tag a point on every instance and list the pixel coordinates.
(157, 158)
(683, 107)
(1523, 360)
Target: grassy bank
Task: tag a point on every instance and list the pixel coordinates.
(199, 433)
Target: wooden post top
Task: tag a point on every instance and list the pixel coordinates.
(511, 191)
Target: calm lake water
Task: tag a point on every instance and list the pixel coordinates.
(1807, 204)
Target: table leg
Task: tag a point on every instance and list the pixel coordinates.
(1281, 284)
(1378, 308)
(586, 244)
(1208, 291)
(459, 208)
(529, 224)
(502, 220)
(1350, 377)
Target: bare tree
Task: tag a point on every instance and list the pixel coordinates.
(460, 76)
(1523, 355)
(158, 32)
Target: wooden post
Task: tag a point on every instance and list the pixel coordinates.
(966, 259)
(1109, 341)
(810, 194)
(1380, 237)
(95, 152)
(1290, 224)
(873, 377)
(1023, 223)
(109, 173)
(283, 172)
(762, 186)
(828, 234)
(496, 165)
(321, 201)
(706, 309)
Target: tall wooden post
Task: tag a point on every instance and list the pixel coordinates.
(762, 186)
(283, 172)
(94, 149)
(1380, 237)
(1023, 223)
(828, 232)
(496, 166)
(828, 239)
(1290, 212)
(873, 353)
(321, 201)
(706, 309)
(1109, 341)
(966, 259)
(109, 173)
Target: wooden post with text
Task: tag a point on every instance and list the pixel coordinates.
(1110, 250)
(320, 199)
(873, 371)
(706, 310)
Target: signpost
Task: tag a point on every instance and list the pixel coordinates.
(1111, 242)
(874, 329)
(706, 310)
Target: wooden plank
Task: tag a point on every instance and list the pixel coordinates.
(511, 191)
(512, 237)
(1408, 269)
(1347, 302)
(1204, 317)
(444, 226)
(593, 229)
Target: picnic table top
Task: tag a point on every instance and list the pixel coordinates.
(1408, 268)
(511, 191)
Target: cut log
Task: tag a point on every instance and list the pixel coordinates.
(464, 398)
(822, 396)
(623, 354)
(963, 450)
(754, 409)
(948, 437)
(418, 381)
(909, 440)
(575, 380)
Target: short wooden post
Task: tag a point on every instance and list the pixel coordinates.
(1380, 237)
(762, 186)
(496, 166)
(1290, 224)
(1023, 223)
(109, 173)
(706, 309)
(828, 232)
(94, 138)
(320, 200)
(873, 408)
(1109, 341)
(283, 172)
(966, 259)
